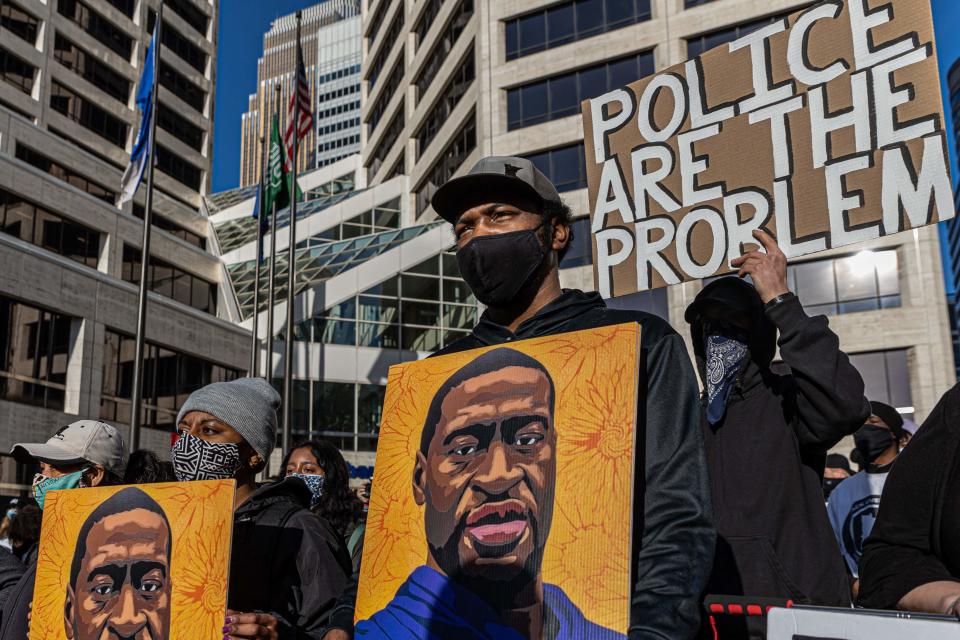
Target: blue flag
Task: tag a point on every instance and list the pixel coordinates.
(141, 146)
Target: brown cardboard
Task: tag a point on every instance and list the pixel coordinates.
(886, 173)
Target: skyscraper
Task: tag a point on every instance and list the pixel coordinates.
(953, 226)
(71, 258)
(331, 54)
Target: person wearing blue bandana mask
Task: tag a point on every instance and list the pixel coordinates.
(767, 429)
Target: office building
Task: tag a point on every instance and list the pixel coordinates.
(446, 82)
(952, 227)
(70, 256)
(331, 56)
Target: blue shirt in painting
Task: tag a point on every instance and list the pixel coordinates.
(431, 606)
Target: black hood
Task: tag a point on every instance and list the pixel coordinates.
(291, 490)
(738, 299)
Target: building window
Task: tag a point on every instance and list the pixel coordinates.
(707, 41)
(390, 136)
(171, 281)
(124, 6)
(580, 248)
(441, 50)
(560, 96)
(39, 226)
(688, 4)
(178, 168)
(457, 86)
(569, 22)
(34, 352)
(179, 44)
(381, 58)
(91, 69)
(461, 146)
(864, 281)
(381, 218)
(16, 71)
(97, 26)
(886, 378)
(427, 17)
(396, 77)
(171, 227)
(423, 308)
(19, 22)
(377, 21)
(65, 174)
(563, 165)
(191, 14)
(87, 114)
(169, 377)
(184, 89)
(343, 413)
(175, 124)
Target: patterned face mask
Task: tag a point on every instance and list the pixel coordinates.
(725, 357)
(314, 483)
(196, 459)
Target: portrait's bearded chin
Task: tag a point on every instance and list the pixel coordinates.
(499, 586)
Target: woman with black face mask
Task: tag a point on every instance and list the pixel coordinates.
(287, 566)
(854, 503)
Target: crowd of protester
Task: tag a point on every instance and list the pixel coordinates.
(737, 495)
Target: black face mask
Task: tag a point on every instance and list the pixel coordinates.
(497, 267)
(829, 484)
(872, 440)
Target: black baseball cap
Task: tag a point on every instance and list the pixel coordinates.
(494, 176)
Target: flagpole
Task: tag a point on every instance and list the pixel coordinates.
(291, 256)
(271, 289)
(254, 340)
(137, 396)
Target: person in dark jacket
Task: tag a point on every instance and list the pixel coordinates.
(767, 436)
(911, 561)
(288, 566)
(512, 229)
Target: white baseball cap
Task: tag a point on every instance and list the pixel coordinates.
(78, 442)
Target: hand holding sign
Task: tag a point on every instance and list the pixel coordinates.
(767, 270)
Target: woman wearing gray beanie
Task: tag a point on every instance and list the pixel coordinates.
(287, 566)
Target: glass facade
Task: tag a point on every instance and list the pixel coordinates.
(563, 165)
(707, 41)
(190, 14)
(376, 66)
(65, 174)
(560, 96)
(97, 26)
(19, 22)
(34, 353)
(421, 309)
(580, 249)
(460, 146)
(178, 168)
(441, 50)
(181, 87)
(886, 378)
(171, 281)
(171, 227)
(381, 218)
(863, 281)
(390, 136)
(169, 377)
(91, 69)
(37, 225)
(458, 85)
(88, 115)
(174, 123)
(380, 106)
(570, 21)
(179, 44)
(16, 71)
(344, 413)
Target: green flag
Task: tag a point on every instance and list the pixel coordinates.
(279, 181)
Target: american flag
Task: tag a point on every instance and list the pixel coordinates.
(305, 118)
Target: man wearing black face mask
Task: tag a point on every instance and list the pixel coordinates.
(512, 228)
(854, 503)
(767, 435)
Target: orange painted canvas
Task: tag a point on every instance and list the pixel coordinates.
(144, 561)
(503, 483)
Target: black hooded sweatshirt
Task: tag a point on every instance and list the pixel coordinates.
(767, 454)
(672, 531)
(286, 560)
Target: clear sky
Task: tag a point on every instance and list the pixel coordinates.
(243, 23)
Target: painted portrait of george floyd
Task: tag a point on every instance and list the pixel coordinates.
(135, 561)
(502, 493)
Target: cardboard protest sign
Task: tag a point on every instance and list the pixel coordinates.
(502, 473)
(144, 561)
(823, 623)
(825, 129)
